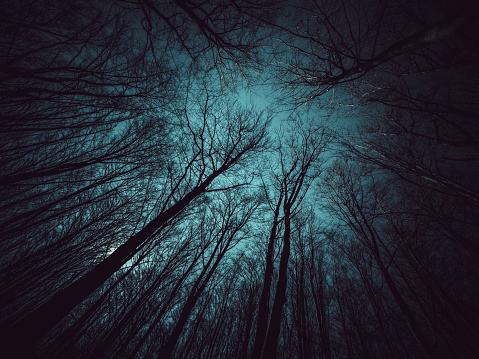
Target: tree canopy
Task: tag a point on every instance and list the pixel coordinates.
(152, 209)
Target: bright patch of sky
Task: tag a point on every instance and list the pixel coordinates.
(257, 98)
(262, 98)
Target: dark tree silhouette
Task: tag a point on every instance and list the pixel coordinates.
(296, 175)
(147, 213)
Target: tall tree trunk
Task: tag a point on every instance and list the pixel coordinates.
(243, 353)
(195, 294)
(28, 331)
(263, 307)
(62, 340)
(272, 337)
(162, 311)
(413, 325)
(102, 348)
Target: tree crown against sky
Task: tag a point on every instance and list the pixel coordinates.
(148, 211)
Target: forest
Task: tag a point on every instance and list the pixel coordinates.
(239, 179)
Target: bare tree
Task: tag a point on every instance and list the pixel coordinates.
(299, 164)
(348, 42)
(212, 154)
